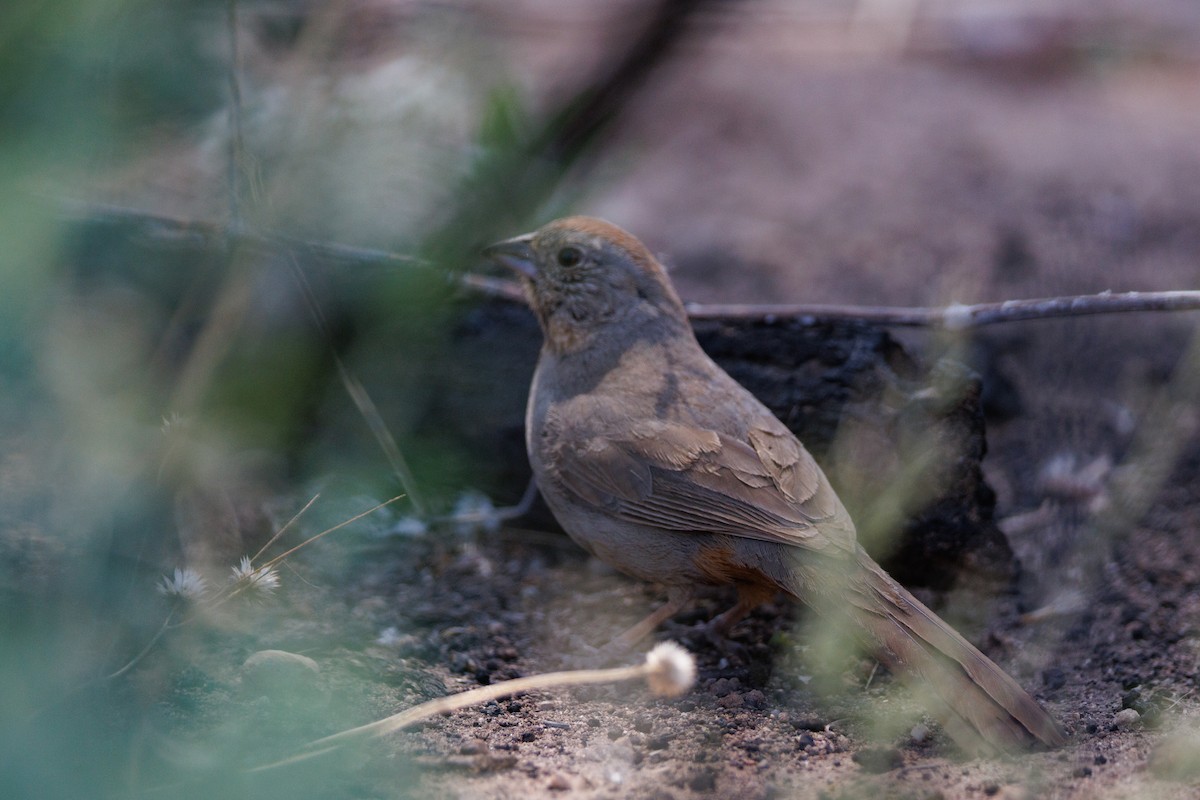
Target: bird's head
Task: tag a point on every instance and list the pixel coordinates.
(585, 278)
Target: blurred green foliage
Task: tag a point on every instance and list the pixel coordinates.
(149, 378)
(81, 82)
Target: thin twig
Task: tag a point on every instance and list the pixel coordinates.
(483, 694)
(370, 413)
(149, 646)
(286, 525)
(871, 677)
(668, 670)
(327, 531)
(954, 317)
(205, 233)
(958, 316)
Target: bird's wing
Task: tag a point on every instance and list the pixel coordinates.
(680, 477)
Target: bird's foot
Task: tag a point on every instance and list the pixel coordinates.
(716, 637)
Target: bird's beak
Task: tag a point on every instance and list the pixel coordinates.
(515, 253)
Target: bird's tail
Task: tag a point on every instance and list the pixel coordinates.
(980, 706)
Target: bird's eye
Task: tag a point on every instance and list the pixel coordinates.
(569, 256)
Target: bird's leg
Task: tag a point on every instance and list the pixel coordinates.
(717, 629)
(678, 597)
(750, 597)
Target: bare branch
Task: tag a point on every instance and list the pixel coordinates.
(203, 233)
(958, 316)
(952, 317)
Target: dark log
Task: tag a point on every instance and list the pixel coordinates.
(871, 414)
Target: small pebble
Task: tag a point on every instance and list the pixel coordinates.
(1126, 718)
(919, 733)
(281, 661)
(559, 783)
(731, 700)
(279, 673)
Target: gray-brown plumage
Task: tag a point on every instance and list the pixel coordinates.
(658, 463)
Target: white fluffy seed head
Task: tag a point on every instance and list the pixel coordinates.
(671, 670)
(256, 582)
(187, 585)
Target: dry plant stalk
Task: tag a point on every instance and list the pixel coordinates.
(669, 670)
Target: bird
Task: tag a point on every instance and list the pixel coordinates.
(657, 462)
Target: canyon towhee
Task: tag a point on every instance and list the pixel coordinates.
(660, 464)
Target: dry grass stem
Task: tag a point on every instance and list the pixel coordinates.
(133, 662)
(668, 670)
(285, 527)
(361, 399)
(328, 531)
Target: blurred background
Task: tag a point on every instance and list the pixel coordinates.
(234, 235)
